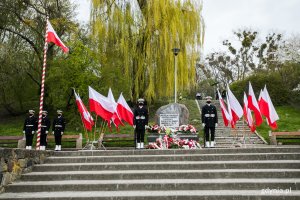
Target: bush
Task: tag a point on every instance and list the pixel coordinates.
(278, 91)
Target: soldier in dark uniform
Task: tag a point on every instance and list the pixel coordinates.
(30, 126)
(140, 121)
(209, 122)
(44, 130)
(58, 129)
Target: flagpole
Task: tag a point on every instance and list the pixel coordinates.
(42, 88)
(95, 127)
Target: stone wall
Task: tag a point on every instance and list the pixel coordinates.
(14, 162)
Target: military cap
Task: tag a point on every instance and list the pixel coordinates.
(208, 98)
(141, 100)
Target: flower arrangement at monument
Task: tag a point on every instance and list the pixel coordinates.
(172, 141)
(171, 138)
(187, 129)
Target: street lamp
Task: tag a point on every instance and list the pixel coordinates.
(175, 51)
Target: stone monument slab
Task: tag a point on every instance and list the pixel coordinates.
(172, 115)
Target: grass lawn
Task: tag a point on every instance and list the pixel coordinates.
(289, 120)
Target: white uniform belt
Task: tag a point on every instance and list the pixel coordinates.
(58, 126)
(209, 115)
(140, 117)
(29, 125)
(44, 126)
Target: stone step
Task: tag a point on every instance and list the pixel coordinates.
(162, 174)
(262, 164)
(260, 194)
(263, 149)
(152, 184)
(238, 145)
(188, 157)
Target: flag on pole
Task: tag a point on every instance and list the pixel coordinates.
(263, 104)
(248, 115)
(124, 110)
(267, 108)
(53, 37)
(115, 118)
(253, 105)
(236, 108)
(100, 104)
(226, 116)
(86, 117)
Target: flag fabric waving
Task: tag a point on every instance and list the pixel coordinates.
(115, 118)
(86, 118)
(248, 115)
(267, 108)
(226, 116)
(53, 37)
(100, 104)
(124, 110)
(263, 104)
(236, 108)
(253, 105)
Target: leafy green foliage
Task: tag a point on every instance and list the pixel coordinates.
(138, 43)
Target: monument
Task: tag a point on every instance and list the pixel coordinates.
(172, 116)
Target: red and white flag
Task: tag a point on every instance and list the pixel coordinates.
(124, 110)
(100, 104)
(267, 108)
(115, 118)
(253, 105)
(263, 104)
(247, 114)
(226, 116)
(53, 37)
(235, 106)
(86, 117)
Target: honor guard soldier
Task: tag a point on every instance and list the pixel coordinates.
(209, 121)
(58, 129)
(30, 126)
(45, 129)
(140, 121)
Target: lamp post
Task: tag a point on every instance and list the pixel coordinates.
(175, 51)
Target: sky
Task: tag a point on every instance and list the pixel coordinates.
(222, 17)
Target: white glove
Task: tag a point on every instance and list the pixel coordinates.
(146, 126)
(52, 132)
(62, 133)
(216, 124)
(47, 132)
(203, 124)
(32, 132)
(23, 132)
(134, 126)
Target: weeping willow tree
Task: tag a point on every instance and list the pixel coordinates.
(138, 39)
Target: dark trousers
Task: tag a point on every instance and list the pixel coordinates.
(29, 138)
(140, 134)
(43, 139)
(212, 132)
(57, 136)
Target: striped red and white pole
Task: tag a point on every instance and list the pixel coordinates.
(42, 89)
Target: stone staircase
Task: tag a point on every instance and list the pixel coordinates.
(219, 173)
(226, 137)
